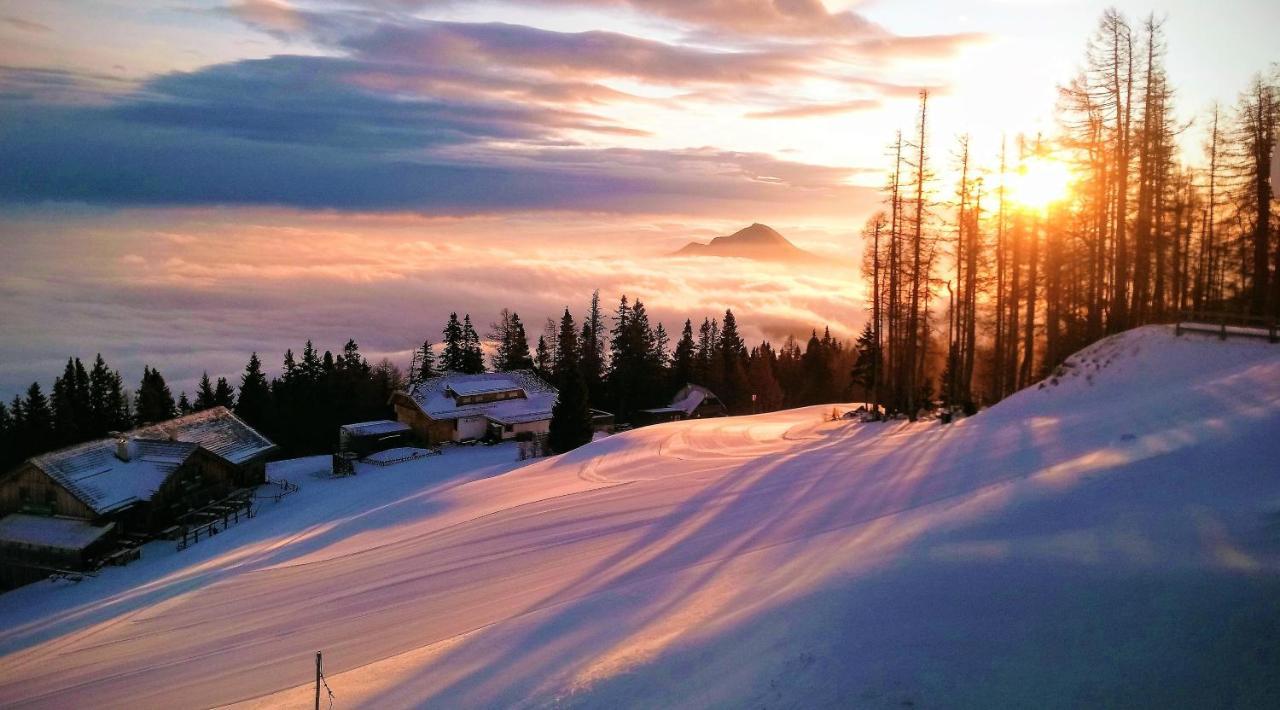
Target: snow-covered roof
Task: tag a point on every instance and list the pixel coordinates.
(217, 429)
(374, 428)
(539, 397)
(686, 401)
(94, 474)
(485, 386)
(45, 531)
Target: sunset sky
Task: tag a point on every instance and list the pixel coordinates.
(182, 182)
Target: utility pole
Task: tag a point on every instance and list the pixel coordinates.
(317, 680)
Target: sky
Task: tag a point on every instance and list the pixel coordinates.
(183, 181)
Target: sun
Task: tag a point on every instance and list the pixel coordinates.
(1040, 182)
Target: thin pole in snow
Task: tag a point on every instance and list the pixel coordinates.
(317, 680)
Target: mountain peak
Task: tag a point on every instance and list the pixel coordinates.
(758, 241)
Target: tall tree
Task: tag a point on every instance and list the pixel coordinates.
(571, 416)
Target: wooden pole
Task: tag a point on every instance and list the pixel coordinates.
(317, 680)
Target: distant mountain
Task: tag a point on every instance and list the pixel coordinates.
(758, 242)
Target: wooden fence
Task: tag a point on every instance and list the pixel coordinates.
(1226, 325)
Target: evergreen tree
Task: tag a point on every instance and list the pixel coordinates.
(205, 397)
(511, 350)
(37, 432)
(223, 395)
(571, 415)
(184, 404)
(452, 359)
(21, 445)
(868, 365)
(254, 403)
(8, 439)
(62, 405)
(734, 390)
(593, 349)
(472, 355)
(683, 360)
(426, 362)
(153, 402)
(542, 359)
(764, 383)
(817, 372)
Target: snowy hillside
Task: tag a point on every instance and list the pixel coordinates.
(1111, 540)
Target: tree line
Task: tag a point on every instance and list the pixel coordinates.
(977, 291)
(619, 362)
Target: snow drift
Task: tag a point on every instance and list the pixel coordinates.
(1111, 538)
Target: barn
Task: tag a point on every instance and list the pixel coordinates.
(458, 407)
(223, 434)
(691, 402)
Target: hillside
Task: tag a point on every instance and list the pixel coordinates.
(1111, 539)
(758, 241)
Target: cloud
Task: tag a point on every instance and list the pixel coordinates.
(570, 54)
(271, 16)
(807, 111)
(25, 25)
(324, 140)
(268, 280)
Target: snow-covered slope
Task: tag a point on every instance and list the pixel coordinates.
(1110, 540)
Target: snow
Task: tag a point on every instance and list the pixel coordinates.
(216, 429)
(101, 480)
(433, 399)
(1109, 540)
(54, 532)
(374, 428)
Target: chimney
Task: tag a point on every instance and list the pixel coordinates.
(122, 448)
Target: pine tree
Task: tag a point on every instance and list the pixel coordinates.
(8, 439)
(593, 349)
(868, 365)
(472, 355)
(65, 418)
(184, 404)
(764, 382)
(543, 362)
(37, 432)
(683, 360)
(426, 362)
(453, 358)
(153, 402)
(571, 416)
(205, 397)
(223, 395)
(734, 389)
(254, 404)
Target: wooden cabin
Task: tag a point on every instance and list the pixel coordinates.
(458, 407)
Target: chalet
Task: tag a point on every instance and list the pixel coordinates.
(691, 402)
(63, 507)
(223, 434)
(457, 407)
(91, 492)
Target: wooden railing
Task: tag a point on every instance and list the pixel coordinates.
(1225, 324)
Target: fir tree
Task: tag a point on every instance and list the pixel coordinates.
(453, 358)
(153, 402)
(8, 440)
(426, 362)
(254, 403)
(593, 349)
(734, 388)
(472, 355)
(223, 395)
(205, 397)
(571, 416)
(683, 359)
(37, 432)
(868, 365)
(542, 359)
(184, 405)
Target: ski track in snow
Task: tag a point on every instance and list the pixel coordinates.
(1047, 552)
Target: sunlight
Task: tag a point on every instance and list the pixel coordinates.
(1040, 182)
